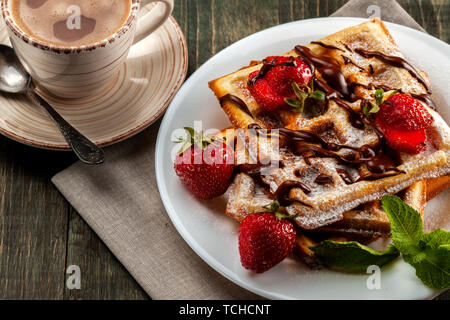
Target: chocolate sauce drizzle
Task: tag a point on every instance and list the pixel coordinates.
(427, 99)
(302, 142)
(237, 101)
(335, 85)
(330, 70)
(396, 62)
(282, 193)
(379, 161)
(269, 65)
(327, 46)
(323, 179)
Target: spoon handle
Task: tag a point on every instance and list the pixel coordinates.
(85, 149)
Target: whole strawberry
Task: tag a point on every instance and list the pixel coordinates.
(204, 165)
(403, 121)
(271, 85)
(265, 239)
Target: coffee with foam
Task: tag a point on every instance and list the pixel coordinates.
(70, 22)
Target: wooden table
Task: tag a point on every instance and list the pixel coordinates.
(41, 234)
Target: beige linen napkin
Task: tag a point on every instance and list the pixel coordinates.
(121, 202)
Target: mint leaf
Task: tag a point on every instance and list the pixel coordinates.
(436, 239)
(432, 266)
(301, 94)
(352, 256)
(428, 253)
(379, 95)
(406, 225)
(365, 111)
(318, 95)
(375, 109)
(295, 103)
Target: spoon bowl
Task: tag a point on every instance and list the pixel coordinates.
(13, 76)
(15, 79)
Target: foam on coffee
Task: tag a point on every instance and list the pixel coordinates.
(56, 22)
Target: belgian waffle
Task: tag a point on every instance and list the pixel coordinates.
(364, 224)
(368, 221)
(248, 194)
(368, 58)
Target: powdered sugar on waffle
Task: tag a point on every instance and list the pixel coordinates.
(328, 202)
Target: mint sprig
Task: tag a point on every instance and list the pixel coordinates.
(368, 109)
(302, 93)
(406, 224)
(379, 95)
(428, 253)
(352, 256)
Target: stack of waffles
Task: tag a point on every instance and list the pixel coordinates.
(329, 168)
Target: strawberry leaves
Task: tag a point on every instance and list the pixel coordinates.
(379, 95)
(194, 138)
(302, 93)
(368, 109)
(274, 208)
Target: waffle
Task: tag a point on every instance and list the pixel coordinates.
(325, 204)
(368, 221)
(436, 186)
(364, 224)
(413, 195)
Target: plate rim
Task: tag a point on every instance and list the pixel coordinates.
(132, 132)
(170, 210)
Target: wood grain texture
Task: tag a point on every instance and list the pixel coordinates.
(40, 235)
(33, 223)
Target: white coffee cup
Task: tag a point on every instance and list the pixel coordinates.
(74, 72)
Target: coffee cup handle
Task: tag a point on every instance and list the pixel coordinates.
(153, 19)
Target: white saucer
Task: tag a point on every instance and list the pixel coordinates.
(137, 96)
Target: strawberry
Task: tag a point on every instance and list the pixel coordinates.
(271, 85)
(404, 112)
(204, 165)
(412, 142)
(403, 121)
(265, 239)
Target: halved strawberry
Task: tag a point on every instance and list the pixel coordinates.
(409, 141)
(403, 121)
(404, 112)
(275, 83)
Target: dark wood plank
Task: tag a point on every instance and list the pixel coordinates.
(40, 236)
(433, 15)
(33, 223)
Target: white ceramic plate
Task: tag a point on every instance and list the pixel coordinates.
(213, 236)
